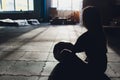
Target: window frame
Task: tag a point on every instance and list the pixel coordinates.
(14, 2)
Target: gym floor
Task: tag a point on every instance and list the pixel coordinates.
(26, 53)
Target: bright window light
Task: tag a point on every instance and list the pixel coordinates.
(21, 5)
(31, 5)
(67, 4)
(16, 5)
(0, 5)
(7, 5)
(76, 4)
(54, 3)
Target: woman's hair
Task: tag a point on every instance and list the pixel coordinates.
(91, 18)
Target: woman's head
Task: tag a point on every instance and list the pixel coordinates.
(91, 18)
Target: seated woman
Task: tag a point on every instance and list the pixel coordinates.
(92, 42)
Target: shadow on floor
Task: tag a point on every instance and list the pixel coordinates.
(10, 32)
(113, 37)
(4, 37)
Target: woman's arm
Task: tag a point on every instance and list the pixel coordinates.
(80, 44)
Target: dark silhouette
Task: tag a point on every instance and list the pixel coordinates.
(93, 43)
(62, 50)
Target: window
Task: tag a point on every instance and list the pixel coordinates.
(54, 3)
(16, 5)
(0, 5)
(30, 5)
(8, 5)
(64, 5)
(67, 4)
(21, 5)
(76, 4)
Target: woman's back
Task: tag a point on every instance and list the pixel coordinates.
(93, 41)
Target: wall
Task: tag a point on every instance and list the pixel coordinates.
(105, 7)
(116, 10)
(17, 15)
(48, 5)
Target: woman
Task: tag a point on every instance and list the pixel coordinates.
(93, 42)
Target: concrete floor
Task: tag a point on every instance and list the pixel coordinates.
(26, 52)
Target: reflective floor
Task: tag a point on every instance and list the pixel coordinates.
(26, 53)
